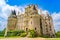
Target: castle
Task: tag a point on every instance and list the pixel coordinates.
(31, 20)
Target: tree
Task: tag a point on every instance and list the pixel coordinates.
(58, 34)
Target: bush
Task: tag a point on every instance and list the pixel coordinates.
(15, 33)
(2, 33)
(23, 34)
(9, 34)
(32, 33)
(58, 34)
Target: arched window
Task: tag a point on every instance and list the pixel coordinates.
(26, 29)
(35, 28)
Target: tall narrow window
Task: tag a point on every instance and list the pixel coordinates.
(35, 28)
(46, 30)
(46, 25)
(50, 28)
(26, 29)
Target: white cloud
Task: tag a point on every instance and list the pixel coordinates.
(45, 12)
(42, 11)
(6, 11)
(2, 2)
(56, 16)
(56, 20)
(2, 24)
(7, 8)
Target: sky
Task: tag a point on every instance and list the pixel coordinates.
(50, 6)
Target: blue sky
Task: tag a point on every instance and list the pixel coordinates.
(52, 6)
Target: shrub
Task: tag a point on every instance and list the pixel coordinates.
(32, 33)
(58, 34)
(15, 33)
(23, 34)
(2, 33)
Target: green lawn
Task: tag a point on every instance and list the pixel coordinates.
(52, 39)
(11, 37)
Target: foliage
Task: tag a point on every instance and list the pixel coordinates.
(58, 34)
(20, 31)
(23, 34)
(2, 33)
(32, 33)
(15, 33)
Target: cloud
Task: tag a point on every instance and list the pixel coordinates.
(2, 24)
(2, 2)
(42, 11)
(56, 20)
(5, 11)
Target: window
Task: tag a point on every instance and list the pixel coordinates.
(26, 29)
(46, 30)
(50, 28)
(46, 25)
(31, 16)
(35, 28)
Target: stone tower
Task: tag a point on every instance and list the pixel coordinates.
(12, 19)
(32, 19)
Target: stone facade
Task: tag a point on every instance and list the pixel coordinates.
(32, 20)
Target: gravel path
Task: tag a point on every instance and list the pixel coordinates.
(22, 39)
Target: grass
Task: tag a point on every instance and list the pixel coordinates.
(11, 37)
(37, 37)
(52, 39)
(1, 37)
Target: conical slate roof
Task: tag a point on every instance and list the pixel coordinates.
(13, 12)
